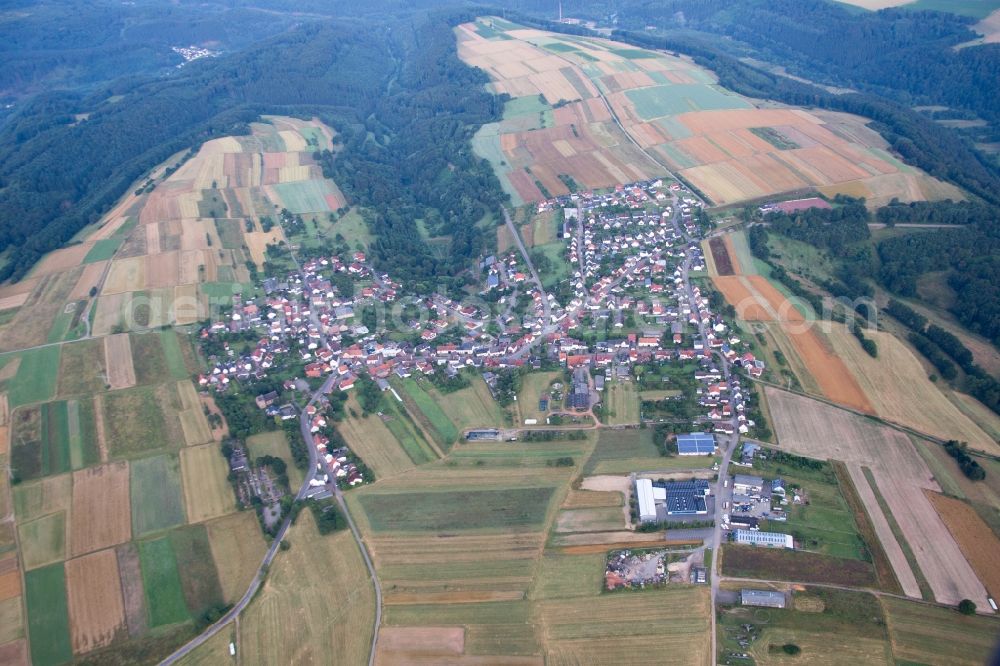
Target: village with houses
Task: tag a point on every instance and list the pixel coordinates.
(632, 249)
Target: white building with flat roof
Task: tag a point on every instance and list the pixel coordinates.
(647, 504)
(766, 539)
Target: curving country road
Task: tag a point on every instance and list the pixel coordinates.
(314, 463)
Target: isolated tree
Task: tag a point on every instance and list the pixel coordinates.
(967, 607)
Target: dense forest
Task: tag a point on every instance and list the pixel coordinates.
(396, 92)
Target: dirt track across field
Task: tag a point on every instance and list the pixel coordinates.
(811, 428)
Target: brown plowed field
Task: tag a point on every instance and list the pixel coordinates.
(736, 291)
(10, 584)
(835, 381)
(974, 537)
(452, 597)
(88, 279)
(403, 645)
(723, 260)
(101, 514)
(93, 589)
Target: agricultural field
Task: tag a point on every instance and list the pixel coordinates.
(237, 549)
(924, 634)
(900, 477)
(53, 438)
(621, 403)
(48, 615)
(207, 492)
(675, 116)
(603, 629)
(162, 583)
(897, 386)
(161, 256)
(36, 376)
(804, 343)
(795, 565)
(101, 508)
(471, 407)
(199, 579)
(373, 441)
(140, 420)
(96, 609)
(157, 498)
(315, 603)
(83, 368)
(43, 540)
(978, 543)
(624, 451)
(429, 414)
(456, 509)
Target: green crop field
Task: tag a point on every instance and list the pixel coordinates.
(55, 437)
(162, 583)
(43, 541)
(442, 429)
(36, 376)
(141, 419)
(149, 358)
(172, 354)
(81, 368)
(621, 403)
(456, 510)
(406, 433)
(569, 576)
(525, 106)
(48, 615)
(671, 100)
(83, 449)
(157, 500)
(307, 196)
(634, 54)
(623, 451)
(199, 578)
(471, 407)
(230, 233)
(104, 249)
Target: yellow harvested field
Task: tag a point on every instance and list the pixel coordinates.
(89, 278)
(118, 352)
(602, 630)
(238, 549)
(111, 310)
(58, 261)
(898, 388)
(187, 307)
(94, 593)
(371, 440)
(207, 492)
(194, 423)
(295, 618)
(807, 427)
(101, 513)
(257, 242)
(126, 275)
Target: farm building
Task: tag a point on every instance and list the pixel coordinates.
(745, 484)
(647, 505)
(766, 539)
(696, 444)
(766, 598)
(683, 498)
(482, 435)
